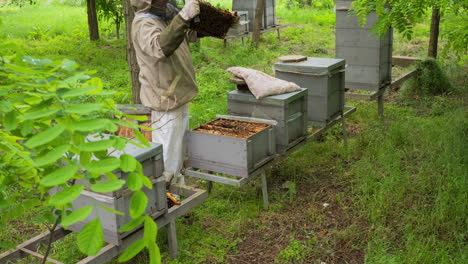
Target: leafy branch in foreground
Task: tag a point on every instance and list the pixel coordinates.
(53, 121)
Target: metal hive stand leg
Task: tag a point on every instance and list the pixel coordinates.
(380, 106)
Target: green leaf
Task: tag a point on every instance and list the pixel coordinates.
(51, 156)
(77, 216)
(39, 114)
(59, 176)
(85, 158)
(108, 186)
(91, 238)
(141, 138)
(132, 250)
(99, 145)
(150, 231)
(147, 182)
(10, 121)
(83, 108)
(136, 117)
(5, 106)
(103, 166)
(91, 125)
(27, 128)
(154, 254)
(66, 196)
(45, 136)
(120, 143)
(111, 210)
(134, 181)
(132, 224)
(138, 204)
(127, 163)
(76, 92)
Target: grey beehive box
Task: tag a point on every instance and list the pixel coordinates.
(243, 26)
(288, 110)
(369, 57)
(152, 160)
(324, 79)
(269, 15)
(229, 155)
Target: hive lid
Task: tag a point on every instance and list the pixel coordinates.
(140, 154)
(279, 99)
(311, 65)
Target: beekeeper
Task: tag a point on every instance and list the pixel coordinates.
(167, 77)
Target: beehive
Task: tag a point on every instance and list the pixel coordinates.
(269, 14)
(369, 57)
(232, 154)
(243, 26)
(324, 79)
(152, 160)
(289, 110)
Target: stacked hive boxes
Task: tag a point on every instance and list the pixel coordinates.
(369, 57)
(153, 166)
(269, 16)
(324, 79)
(289, 110)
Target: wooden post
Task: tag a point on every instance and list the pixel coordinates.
(92, 20)
(344, 130)
(258, 22)
(172, 239)
(131, 56)
(380, 106)
(434, 35)
(266, 203)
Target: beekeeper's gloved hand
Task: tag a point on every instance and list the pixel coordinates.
(173, 35)
(190, 10)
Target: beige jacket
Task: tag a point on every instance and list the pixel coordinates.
(167, 75)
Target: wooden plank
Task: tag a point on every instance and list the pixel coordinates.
(213, 178)
(266, 203)
(111, 251)
(139, 109)
(39, 256)
(247, 34)
(399, 82)
(32, 244)
(404, 61)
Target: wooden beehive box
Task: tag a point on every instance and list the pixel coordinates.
(231, 145)
(289, 110)
(324, 79)
(135, 109)
(152, 160)
(368, 56)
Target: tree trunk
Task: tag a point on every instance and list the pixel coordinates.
(258, 22)
(131, 56)
(117, 26)
(92, 20)
(434, 38)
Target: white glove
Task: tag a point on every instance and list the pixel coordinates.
(190, 10)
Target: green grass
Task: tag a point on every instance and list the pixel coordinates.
(402, 182)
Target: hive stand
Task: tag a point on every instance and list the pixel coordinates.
(402, 61)
(211, 177)
(194, 198)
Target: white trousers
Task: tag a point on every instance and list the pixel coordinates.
(170, 132)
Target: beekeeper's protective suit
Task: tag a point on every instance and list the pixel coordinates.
(167, 77)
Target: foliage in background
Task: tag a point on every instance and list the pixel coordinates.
(111, 10)
(404, 15)
(53, 121)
